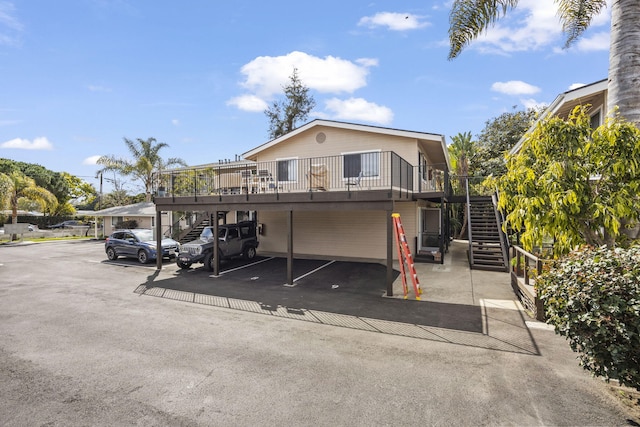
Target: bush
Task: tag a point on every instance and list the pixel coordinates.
(130, 223)
(592, 297)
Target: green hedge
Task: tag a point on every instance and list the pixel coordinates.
(592, 297)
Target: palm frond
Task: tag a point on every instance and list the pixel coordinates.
(576, 16)
(469, 18)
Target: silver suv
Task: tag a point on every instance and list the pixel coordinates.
(234, 240)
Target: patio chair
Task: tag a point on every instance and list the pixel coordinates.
(354, 182)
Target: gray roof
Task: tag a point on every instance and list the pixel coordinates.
(137, 209)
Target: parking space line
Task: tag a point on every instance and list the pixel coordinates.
(242, 266)
(309, 273)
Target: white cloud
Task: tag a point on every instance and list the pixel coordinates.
(175, 122)
(10, 26)
(532, 26)
(359, 109)
(41, 143)
(249, 103)
(598, 41)
(394, 21)
(576, 86)
(93, 160)
(514, 87)
(532, 103)
(265, 76)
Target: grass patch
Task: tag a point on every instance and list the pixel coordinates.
(47, 239)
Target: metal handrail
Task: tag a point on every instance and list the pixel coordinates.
(504, 243)
(468, 208)
(374, 170)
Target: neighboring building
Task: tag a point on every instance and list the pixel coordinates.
(143, 213)
(330, 186)
(594, 94)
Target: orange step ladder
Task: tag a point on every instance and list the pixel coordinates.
(404, 257)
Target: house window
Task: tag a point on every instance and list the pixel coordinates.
(115, 220)
(596, 119)
(361, 164)
(287, 170)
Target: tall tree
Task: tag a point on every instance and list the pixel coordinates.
(54, 182)
(499, 136)
(286, 114)
(146, 160)
(460, 152)
(470, 18)
(15, 186)
(582, 193)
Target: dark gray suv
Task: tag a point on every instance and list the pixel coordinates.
(138, 243)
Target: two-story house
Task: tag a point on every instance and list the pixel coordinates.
(327, 190)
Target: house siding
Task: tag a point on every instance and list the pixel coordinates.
(339, 141)
(358, 235)
(143, 222)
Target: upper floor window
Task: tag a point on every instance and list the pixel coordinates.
(596, 119)
(361, 164)
(287, 170)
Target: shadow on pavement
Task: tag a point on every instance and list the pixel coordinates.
(343, 294)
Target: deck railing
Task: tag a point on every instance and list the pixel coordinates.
(377, 170)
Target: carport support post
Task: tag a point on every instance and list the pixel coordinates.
(216, 244)
(290, 248)
(390, 231)
(159, 240)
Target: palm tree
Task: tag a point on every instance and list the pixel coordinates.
(469, 18)
(146, 161)
(460, 151)
(15, 186)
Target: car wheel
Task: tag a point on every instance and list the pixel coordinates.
(143, 257)
(111, 254)
(209, 262)
(250, 253)
(183, 265)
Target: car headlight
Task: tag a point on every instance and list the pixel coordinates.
(199, 250)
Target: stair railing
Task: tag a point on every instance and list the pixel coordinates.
(504, 243)
(468, 207)
(200, 218)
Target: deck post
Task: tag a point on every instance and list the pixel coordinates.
(389, 253)
(216, 244)
(159, 240)
(290, 248)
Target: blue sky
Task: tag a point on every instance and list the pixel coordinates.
(77, 76)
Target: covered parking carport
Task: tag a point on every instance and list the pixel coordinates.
(289, 204)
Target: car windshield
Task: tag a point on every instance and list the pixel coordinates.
(207, 233)
(143, 235)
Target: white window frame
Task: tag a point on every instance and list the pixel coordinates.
(375, 174)
(292, 169)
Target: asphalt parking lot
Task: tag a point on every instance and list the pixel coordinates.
(86, 341)
(339, 287)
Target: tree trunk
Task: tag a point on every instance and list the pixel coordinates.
(624, 60)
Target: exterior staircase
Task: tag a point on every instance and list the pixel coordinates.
(487, 243)
(193, 233)
(202, 221)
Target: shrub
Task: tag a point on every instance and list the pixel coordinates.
(130, 223)
(592, 297)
